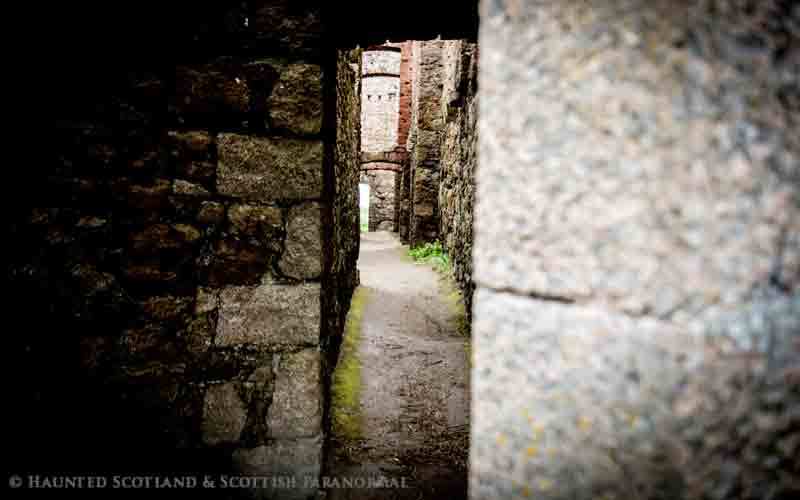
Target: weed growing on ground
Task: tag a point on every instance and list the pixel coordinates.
(432, 253)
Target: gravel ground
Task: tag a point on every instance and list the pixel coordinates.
(414, 382)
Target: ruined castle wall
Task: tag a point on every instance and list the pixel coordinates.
(636, 251)
(382, 180)
(425, 142)
(459, 106)
(380, 100)
(409, 103)
(406, 78)
(187, 263)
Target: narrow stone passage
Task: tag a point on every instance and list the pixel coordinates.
(414, 382)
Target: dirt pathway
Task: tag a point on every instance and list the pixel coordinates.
(414, 382)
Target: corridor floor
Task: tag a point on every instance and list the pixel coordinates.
(414, 383)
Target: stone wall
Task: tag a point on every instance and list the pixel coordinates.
(381, 60)
(458, 160)
(425, 141)
(381, 196)
(408, 65)
(636, 251)
(345, 224)
(406, 77)
(380, 98)
(185, 267)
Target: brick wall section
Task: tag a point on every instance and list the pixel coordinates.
(198, 257)
(459, 160)
(405, 91)
(637, 322)
(407, 184)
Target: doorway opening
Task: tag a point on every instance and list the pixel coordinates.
(363, 206)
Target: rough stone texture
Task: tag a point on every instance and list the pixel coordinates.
(343, 226)
(458, 161)
(177, 164)
(224, 414)
(295, 459)
(406, 77)
(427, 124)
(637, 278)
(397, 156)
(254, 220)
(210, 89)
(193, 155)
(380, 105)
(269, 315)
(294, 25)
(296, 100)
(404, 204)
(382, 61)
(266, 169)
(296, 409)
(302, 258)
(381, 198)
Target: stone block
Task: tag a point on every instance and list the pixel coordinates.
(299, 461)
(577, 385)
(186, 188)
(296, 409)
(144, 199)
(268, 169)
(294, 24)
(211, 213)
(224, 414)
(167, 308)
(296, 100)
(302, 258)
(163, 237)
(209, 90)
(192, 154)
(235, 261)
(254, 220)
(269, 314)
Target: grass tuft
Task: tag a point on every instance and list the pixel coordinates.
(431, 253)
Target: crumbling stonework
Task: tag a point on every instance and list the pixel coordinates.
(406, 78)
(636, 251)
(459, 160)
(382, 196)
(636, 244)
(196, 242)
(427, 125)
(408, 67)
(380, 99)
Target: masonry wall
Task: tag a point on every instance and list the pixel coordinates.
(183, 271)
(380, 98)
(636, 251)
(459, 159)
(382, 182)
(425, 142)
(406, 68)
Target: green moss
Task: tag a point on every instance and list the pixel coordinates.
(455, 301)
(346, 389)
